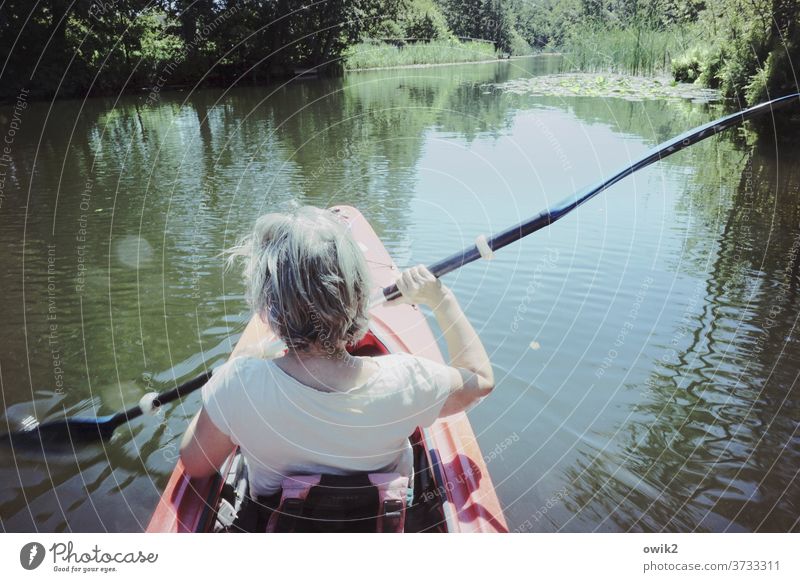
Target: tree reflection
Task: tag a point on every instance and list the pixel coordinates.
(719, 448)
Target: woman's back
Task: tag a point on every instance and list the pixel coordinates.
(286, 427)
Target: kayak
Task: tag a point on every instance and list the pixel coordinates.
(453, 491)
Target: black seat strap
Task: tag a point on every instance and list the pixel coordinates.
(392, 515)
(288, 514)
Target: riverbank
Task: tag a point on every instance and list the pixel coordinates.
(429, 65)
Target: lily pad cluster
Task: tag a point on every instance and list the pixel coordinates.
(628, 87)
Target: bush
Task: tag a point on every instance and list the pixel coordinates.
(711, 67)
(734, 74)
(774, 78)
(757, 89)
(756, 50)
(686, 69)
(519, 46)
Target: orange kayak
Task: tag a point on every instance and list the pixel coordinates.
(453, 489)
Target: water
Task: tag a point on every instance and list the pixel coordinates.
(645, 346)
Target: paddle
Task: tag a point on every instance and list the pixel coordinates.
(102, 427)
(485, 247)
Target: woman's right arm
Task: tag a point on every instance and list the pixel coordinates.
(204, 447)
(470, 369)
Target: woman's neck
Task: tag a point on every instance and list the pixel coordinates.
(315, 352)
(327, 370)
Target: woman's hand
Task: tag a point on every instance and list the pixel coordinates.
(418, 285)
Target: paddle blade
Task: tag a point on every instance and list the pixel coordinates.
(63, 432)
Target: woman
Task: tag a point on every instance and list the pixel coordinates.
(318, 409)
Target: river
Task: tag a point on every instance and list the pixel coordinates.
(645, 347)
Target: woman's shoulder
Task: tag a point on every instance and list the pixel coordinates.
(240, 364)
(416, 367)
(415, 384)
(390, 361)
(238, 371)
(405, 359)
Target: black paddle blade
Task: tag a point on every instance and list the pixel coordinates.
(82, 430)
(64, 432)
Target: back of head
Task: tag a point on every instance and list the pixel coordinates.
(306, 276)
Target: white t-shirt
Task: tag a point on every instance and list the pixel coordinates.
(286, 428)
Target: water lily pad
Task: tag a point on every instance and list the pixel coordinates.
(628, 87)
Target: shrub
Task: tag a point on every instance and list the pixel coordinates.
(686, 69)
(519, 45)
(710, 68)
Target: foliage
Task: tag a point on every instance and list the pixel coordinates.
(755, 47)
(518, 46)
(543, 24)
(72, 48)
(749, 49)
(687, 67)
(424, 20)
(482, 19)
(86, 47)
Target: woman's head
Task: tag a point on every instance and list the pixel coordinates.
(305, 276)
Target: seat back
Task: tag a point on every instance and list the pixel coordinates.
(363, 502)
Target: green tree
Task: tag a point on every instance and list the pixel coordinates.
(482, 19)
(424, 20)
(104, 47)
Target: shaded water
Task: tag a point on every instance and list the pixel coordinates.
(645, 346)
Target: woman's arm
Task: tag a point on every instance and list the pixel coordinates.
(471, 372)
(204, 447)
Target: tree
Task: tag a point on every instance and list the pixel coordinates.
(482, 19)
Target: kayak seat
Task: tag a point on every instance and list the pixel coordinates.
(236, 511)
(361, 502)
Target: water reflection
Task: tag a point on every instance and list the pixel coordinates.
(712, 444)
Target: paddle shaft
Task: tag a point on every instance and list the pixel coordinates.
(548, 217)
(161, 399)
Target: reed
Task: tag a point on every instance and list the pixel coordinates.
(372, 54)
(635, 50)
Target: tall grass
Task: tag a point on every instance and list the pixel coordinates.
(635, 50)
(374, 54)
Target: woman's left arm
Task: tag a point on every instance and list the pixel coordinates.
(204, 447)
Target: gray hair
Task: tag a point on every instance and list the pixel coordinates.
(306, 276)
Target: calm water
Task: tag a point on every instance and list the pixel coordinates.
(646, 346)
